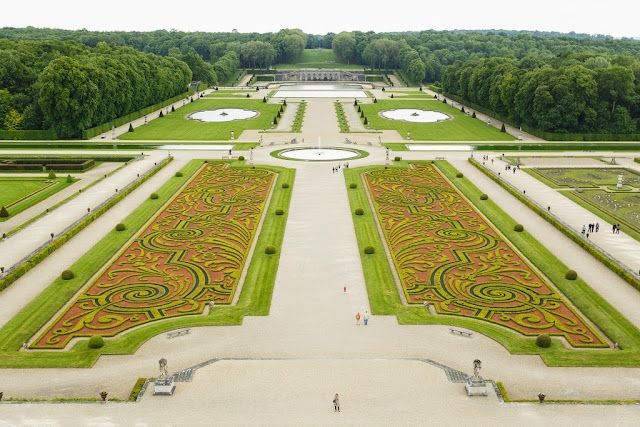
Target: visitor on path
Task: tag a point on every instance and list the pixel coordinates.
(617, 228)
(345, 289)
(357, 319)
(584, 229)
(365, 318)
(613, 230)
(597, 226)
(336, 403)
(229, 151)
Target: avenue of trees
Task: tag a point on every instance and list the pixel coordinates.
(70, 87)
(570, 93)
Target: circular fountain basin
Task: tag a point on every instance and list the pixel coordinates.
(415, 116)
(319, 154)
(223, 115)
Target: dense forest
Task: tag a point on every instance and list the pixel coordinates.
(549, 81)
(569, 93)
(70, 87)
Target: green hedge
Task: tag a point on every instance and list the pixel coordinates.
(94, 131)
(583, 243)
(436, 89)
(49, 249)
(269, 78)
(28, 135)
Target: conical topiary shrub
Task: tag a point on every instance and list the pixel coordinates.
(4, 213)
(69, 179)
(503, 129)
(173, 109)
(52, 175)
(473, 116)
(160, 115)
(130, 127)
(264, 99)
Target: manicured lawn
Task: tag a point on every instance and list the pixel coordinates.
(589, 177)
(460, 128)
(18, 193)
(231, 94)
(384, 297)
(318, 58)
(410, 94)
(255, 298)
(176, 126)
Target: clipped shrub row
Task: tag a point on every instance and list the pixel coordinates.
(52, 247)
(623, 273)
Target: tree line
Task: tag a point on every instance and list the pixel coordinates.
(424, 56)
(569, 93)
(70, 87)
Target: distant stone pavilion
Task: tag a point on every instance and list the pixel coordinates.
(316, 75)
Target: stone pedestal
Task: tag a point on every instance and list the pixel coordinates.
(476, 387)
(164, 387)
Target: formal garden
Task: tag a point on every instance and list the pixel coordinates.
(461, 127)
(452, 247)
(194, 251)
(20, 193)
(596, 190)
(178, 126)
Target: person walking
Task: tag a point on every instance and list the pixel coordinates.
(336, 403)
(584, 229)
(597, 226)
(357, 319)
(365, 318)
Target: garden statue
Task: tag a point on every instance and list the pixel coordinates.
(164, 370)
(477, 365)
(476, 386)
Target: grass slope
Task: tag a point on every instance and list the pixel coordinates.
(460, 128)
(384, 298)
(176, 126)
(254, 300)
(318, 58)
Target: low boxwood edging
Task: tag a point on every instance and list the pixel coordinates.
(624, 273)
(34, 259)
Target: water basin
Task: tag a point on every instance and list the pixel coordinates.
(415, 116)
(319, 154)
(223, 115)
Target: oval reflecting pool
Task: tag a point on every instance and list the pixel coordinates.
(319, 154)
(223, 115)
(414, 115)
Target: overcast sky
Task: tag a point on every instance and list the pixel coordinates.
(619, 18)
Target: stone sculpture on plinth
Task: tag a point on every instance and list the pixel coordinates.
(164, 384)
(476, 385)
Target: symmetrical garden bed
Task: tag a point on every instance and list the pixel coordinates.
(447, 254)
(192, 253)
(18, 193)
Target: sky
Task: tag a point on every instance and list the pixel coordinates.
(618, 18)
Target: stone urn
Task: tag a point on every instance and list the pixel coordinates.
(103, 395)
(541, 397)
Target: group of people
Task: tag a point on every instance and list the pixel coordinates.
(586, 230)
(337, 168)
(616, 228)
(365, 318)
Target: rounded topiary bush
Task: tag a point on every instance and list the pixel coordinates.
(359, 211)
(67, 275)
(121, 227)
(241, 158)
(179, 174)
(369, 250)
(484, 197)
(396, 158)
(154, 196)
(543, 340)
(285, 185)
(270, 250)
(353, 185)
(96, 341)
(459, 175)
(518, 228)
(571, 275)
(279, 211)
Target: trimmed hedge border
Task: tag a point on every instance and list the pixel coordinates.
(23, 266)
(625, 273)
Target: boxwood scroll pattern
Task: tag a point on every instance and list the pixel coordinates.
(447, 254)
(193, 252)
